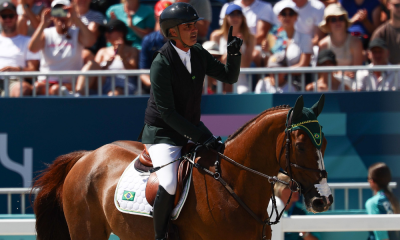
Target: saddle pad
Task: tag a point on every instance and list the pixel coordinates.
(130, 193)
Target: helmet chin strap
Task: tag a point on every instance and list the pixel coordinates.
(179, 38)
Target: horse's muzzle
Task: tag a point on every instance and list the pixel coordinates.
(321, 204)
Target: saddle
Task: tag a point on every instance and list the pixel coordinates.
(145, 164)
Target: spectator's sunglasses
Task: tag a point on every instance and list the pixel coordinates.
(5, 16)
(396, 5)
(288, 13)
(337, 19)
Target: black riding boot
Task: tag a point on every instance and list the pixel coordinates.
(162, 209)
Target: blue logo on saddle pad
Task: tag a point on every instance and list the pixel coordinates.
(128, 196)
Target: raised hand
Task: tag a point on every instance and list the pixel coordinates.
(234, 43)
(46, 17)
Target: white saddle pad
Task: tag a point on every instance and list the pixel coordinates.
(130, 193)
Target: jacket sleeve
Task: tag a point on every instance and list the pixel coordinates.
(160, 77)
(227, 73)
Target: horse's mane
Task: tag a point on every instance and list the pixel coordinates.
(242, 128)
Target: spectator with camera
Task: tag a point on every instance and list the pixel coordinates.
(152, 43)
(378, 53)
(61, 46)
(28, 16)
(138, 17)
(15, 55)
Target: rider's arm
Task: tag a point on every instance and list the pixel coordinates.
(161, 77)
(228, 72)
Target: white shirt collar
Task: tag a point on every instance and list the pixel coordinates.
(184, 56)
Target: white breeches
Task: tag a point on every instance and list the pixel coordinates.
(161, 154)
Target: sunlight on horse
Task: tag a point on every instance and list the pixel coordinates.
(76, 197)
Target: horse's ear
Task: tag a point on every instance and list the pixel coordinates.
(318, 106)
(298, 108)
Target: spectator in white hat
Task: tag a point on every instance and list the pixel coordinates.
(297, 45)
(347, 48)
(61, 46)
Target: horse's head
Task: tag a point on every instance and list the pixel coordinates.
(304, 147)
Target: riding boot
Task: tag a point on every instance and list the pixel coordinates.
(162, 209)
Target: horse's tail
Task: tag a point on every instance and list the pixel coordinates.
(48, 206)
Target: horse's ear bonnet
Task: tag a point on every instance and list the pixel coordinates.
(318, 106)
(306, 119)
(298, 109)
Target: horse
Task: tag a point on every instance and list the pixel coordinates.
(76, 192)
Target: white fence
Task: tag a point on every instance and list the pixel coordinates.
(324, 223)
(6, 76)
(334, 186)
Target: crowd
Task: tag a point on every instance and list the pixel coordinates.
(77, 35)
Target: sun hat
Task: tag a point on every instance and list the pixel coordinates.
(279, 6)
(212, 47)
(330, 11)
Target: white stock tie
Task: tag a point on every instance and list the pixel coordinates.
(186, 62)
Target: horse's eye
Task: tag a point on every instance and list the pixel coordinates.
(300, 147)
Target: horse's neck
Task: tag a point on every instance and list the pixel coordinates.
(255, 148)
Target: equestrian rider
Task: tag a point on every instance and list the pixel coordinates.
(172, 116)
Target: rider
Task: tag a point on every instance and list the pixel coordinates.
(172, 116)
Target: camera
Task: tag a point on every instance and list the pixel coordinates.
(59, 12)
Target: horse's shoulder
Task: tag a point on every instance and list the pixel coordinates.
(132, 146)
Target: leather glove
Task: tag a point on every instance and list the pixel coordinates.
(234, 43)
(212, 143)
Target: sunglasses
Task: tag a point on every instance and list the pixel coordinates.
(289, 13)
(396, 5)
(337, 19)
(10, 16)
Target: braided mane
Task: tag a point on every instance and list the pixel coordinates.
(231, 137)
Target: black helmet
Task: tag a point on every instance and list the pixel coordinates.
(176, 14)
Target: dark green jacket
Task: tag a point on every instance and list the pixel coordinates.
(177, 129)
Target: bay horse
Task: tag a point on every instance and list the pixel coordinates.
(76, 192)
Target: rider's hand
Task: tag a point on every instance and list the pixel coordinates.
(234, 43)
(212, 143)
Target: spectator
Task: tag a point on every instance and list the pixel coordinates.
(138, 17)
(268, 84)
(14, 54)
(203, 8)
(377, 81)
(213, 49)
(365, 16)
(296, 45)
(383, 201)
(92, 19)
(294, 207)
(61, 46)
(327, 58)
(310, 14)
(259, 17)
(390, 32)
(152, 43)
(119, 56)
(347, 48)
(28, 16)
(234, 17)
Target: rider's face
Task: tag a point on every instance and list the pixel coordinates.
(188, 33)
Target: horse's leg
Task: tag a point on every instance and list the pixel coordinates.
(81, 206)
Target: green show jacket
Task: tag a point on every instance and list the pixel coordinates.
(163, 82)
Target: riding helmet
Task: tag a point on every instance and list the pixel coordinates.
(176, 14)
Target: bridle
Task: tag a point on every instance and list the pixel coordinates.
(293, 185)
